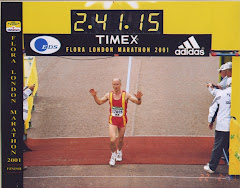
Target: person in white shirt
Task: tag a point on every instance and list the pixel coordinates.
(27, 91)
(220, 108)
(228, 67)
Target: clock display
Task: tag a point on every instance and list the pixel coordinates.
(117, 21)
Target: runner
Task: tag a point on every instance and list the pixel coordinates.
(118, 100)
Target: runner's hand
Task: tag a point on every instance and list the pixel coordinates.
(93, 92)
(138, 95)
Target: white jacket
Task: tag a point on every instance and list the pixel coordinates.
(221, 107)
(26, 93)
(223, 84)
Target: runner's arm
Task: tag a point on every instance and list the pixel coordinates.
(98, 100)
(137, 99)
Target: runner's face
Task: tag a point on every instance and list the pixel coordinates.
(116, 85)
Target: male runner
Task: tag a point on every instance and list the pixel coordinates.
(118, 100)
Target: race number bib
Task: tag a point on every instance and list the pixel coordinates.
(117, 111)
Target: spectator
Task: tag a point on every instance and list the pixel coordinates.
(228, 69)
(220, 85)
(220, 108)
(27, 91)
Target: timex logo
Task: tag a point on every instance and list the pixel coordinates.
(117, 39)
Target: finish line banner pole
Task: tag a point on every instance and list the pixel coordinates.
(12, 95)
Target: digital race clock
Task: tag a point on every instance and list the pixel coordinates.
(117, 32)
(116, 21)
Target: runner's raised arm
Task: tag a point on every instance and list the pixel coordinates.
(136, 99)
(98, 100)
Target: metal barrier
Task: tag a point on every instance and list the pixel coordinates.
(224, 53)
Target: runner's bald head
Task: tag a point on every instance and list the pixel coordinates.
(116, 83)
(117, 79)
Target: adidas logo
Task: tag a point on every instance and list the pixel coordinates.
(190, 47)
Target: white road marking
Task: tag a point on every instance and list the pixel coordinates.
(173, 177)
(174, 136)
(135, 106)
(128, 136)
(128, 78)
(129, 73)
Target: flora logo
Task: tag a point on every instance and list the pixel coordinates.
(190, 48)
(13, 26)
(45, 45)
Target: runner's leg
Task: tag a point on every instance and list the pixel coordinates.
(121, 132)
(113, 136)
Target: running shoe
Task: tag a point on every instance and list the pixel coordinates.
(119, 155)
(113, 159)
